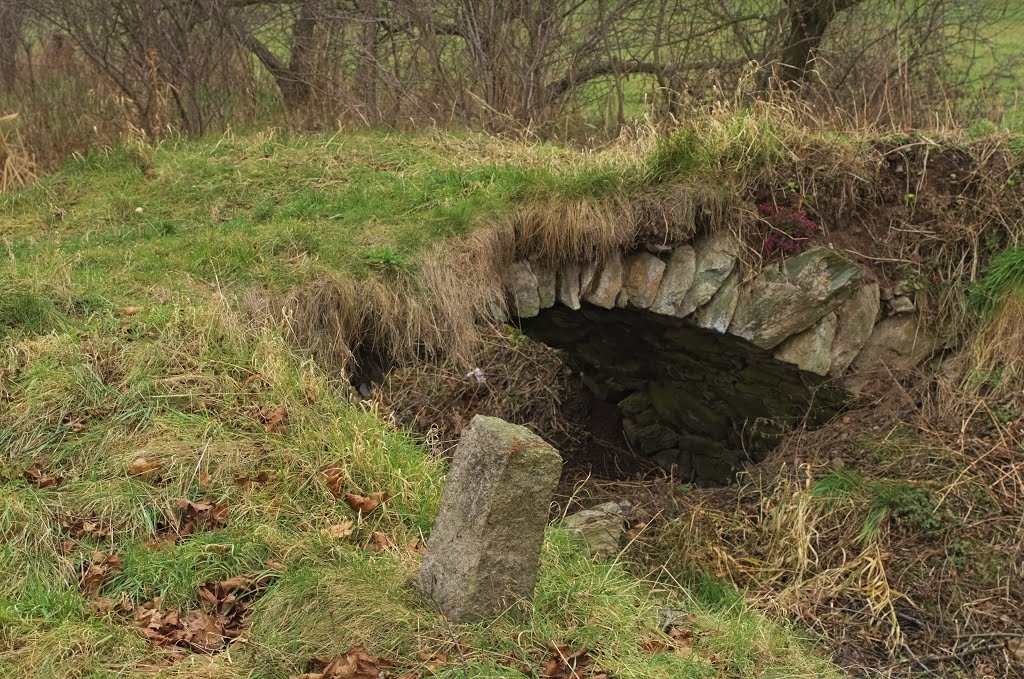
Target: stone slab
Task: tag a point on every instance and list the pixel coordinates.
(606, 284)
(643, 278)
(785, 300)
(897, 344)
(521, 284)
(484, 550)
(811, 350)
(855, 321)
(718, 312)
(601, 527)
(547, 277)
(675, 281)
(569, 286)
(716, 258)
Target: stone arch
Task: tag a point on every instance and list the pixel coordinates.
(707, 365)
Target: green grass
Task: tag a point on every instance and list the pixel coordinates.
(89, 386)
(896, 500)
(1005, 277)
(275, 210)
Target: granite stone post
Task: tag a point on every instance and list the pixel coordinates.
(484, 551)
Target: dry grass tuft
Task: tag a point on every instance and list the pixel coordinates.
(996, 352)
(438, 311)
(17, 166)
(893, 533)
(406, 317)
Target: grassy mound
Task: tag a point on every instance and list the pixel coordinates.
(176, 472)
(180, 443)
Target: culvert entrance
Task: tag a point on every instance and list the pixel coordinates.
(687, 398)
(691, 362)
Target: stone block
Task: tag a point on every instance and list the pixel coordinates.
(521, 284)
(676, 281)
(855, 321)
(901, 305)
(484, 550)
(546, 284)
(897, 344)
(601, 527)
(569, 286)
(654, 438)
(811, 350)
(634, 404)
(606, 284)
(784, 301)
(718, 312)
(587, 273)
(716, 258)
(643, 278)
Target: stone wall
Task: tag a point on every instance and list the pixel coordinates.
(708, 363)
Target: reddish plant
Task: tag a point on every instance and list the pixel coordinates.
(788, 227)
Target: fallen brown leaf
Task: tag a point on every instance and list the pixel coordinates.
(654, 645)
(144, 467)
(96, 571)
(248, 481)
(190, 517)
(36, 476)
(355, 663)
(564, 663)
(365, 503)
(335, 478)
(79, 527)
(432, 661)
(221, 617)
(341, 530)
(274, 419)
(380, 541)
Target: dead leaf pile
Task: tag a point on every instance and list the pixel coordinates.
(78, 528)
(564, 663)
(95, 571)
(192, 517)
(355, 663)
(40, 479)
(220, 618)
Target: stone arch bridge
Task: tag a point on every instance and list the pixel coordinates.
(710, 365)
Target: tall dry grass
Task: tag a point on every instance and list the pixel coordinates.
(17, 165)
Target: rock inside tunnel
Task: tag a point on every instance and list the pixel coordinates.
(701, 401)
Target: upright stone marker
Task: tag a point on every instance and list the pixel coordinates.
(484, 550)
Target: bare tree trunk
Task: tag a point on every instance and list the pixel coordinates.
(299, 86)
(808, 22)
(294, 79)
